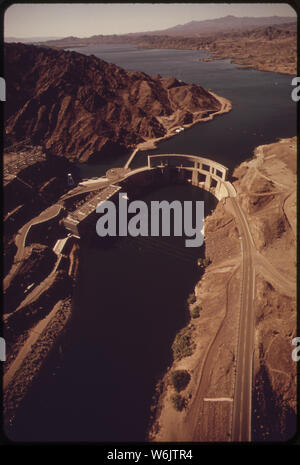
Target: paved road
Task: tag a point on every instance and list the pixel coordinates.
(46, 215)
(241, 420)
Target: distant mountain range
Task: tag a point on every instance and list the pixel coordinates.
(266, 43)
(227, 23)
(29, 40)
(191, 29)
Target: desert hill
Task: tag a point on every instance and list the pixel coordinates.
(80, 107)
(224, 24)
(193, 29)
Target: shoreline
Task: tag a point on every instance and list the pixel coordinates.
(239, 65)
(214, 56)
(151, 144)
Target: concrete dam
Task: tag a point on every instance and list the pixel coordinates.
(160, 169)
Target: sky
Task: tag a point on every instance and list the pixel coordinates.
(84, 20)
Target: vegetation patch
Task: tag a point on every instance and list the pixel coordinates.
(191, 298)
(178, 402)
(195, 313)
(180, 379)
(203, 262)
(183, 346)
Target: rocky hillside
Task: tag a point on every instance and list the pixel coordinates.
(227, 23)
(82, 107)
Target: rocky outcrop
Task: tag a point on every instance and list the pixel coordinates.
(81, 107)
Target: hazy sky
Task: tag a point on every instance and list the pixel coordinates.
(83, 20)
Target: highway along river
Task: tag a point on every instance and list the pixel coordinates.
(130, 299)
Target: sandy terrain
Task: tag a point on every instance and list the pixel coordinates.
(212, 364)
(269, 197)
(277, 55)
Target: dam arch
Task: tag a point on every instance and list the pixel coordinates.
(205, 173)
(199, 171)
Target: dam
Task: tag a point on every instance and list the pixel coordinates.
(162, 169)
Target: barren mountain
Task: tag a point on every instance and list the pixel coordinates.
(266, 48)
(224, 24)
(192, 29)
(81, 107)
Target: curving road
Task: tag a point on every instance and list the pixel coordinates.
(20, 239)
(45, 215)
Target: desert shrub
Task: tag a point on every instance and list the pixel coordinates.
(206, 261)
(191, 298)
(203, 262)
(196, 312)
(180, 379)
(183, 345)
(178, 402)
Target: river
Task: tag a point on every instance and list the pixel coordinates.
(130, 299)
